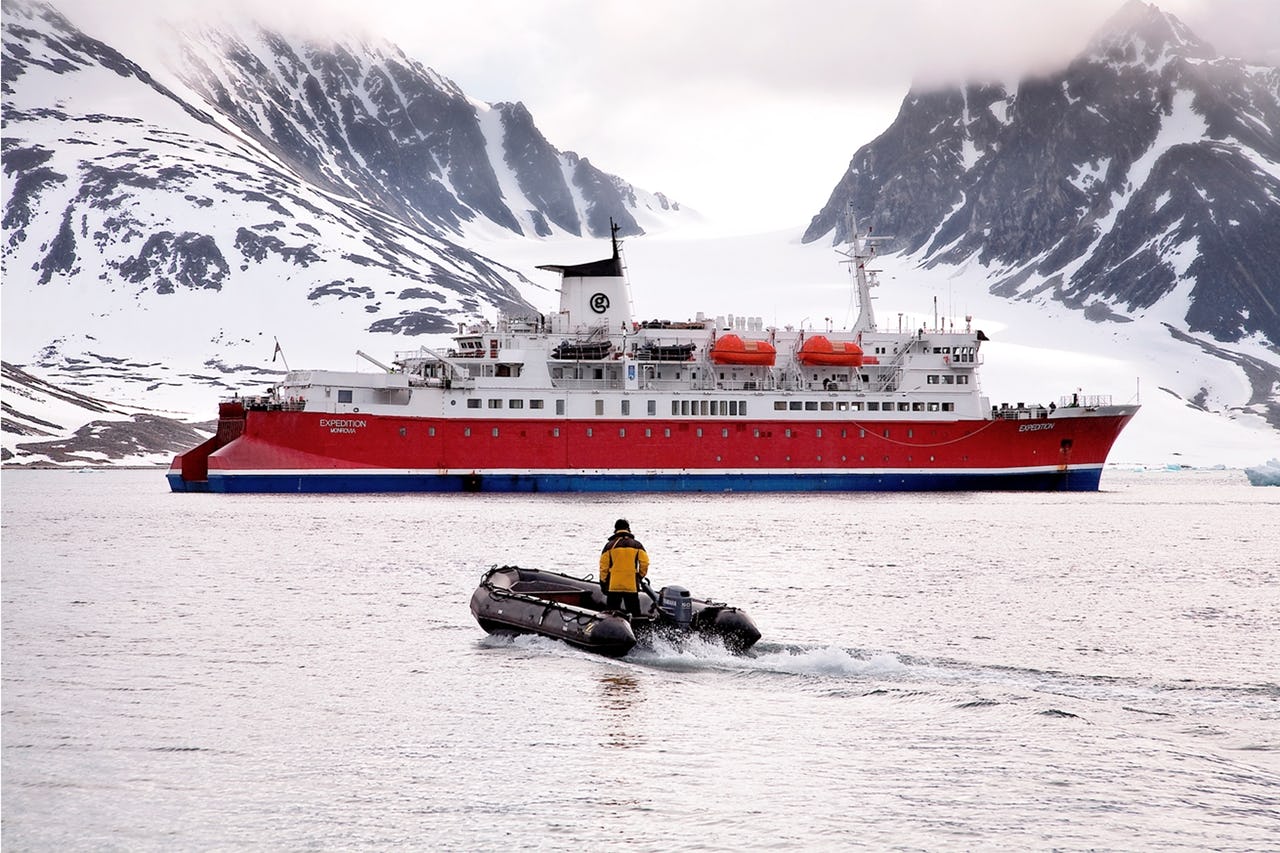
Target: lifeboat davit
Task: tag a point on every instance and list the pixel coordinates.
(731, 349)
(820, 351)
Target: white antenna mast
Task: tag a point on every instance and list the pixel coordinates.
(862, 250)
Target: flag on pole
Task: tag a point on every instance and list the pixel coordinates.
(279, 353)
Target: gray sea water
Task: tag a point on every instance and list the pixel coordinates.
(938, 672)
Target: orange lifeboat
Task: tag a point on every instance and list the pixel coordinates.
(731, 349)
(820, 351)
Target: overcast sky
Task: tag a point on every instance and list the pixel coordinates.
(747, 110)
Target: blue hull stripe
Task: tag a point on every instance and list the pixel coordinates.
(1083, 479)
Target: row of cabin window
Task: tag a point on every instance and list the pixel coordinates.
(495, 403)
(947, 379)
(709, 408)
(730, 408)
(857, 406)
(666, 432)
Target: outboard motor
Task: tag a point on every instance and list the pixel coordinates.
(675, 603)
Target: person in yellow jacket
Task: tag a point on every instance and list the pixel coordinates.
(623, 564)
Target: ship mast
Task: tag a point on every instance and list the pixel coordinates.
(861, 250)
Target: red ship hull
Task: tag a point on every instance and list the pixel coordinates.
(283, 451)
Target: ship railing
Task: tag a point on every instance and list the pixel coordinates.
(781, 379)
(766, 384)
(892, 371)
(405, 358)
(586, 384)
(1084, 401)
(425, 364)
(1020, 412)
(271, 404)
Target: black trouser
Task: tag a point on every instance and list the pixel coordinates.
(631, 600)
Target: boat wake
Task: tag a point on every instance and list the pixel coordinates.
(771, 658)
(966, 686)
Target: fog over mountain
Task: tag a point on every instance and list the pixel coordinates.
(165, 224)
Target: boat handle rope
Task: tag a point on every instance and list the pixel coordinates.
(901, 443)
(495, 593)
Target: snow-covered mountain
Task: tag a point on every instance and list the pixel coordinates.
(162, 224)
(165, 222)
(1142, 181)
(1148, 161)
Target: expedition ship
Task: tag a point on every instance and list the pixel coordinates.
(590, 399)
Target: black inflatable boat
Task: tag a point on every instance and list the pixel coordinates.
(512, 600)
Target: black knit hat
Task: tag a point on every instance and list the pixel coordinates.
(621, 524)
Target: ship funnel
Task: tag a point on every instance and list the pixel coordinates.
(595, 294)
